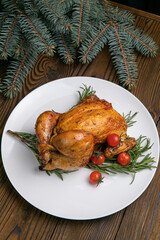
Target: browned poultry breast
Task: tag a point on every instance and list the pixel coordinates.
(95, 116)
(67, 141)
(73, 150)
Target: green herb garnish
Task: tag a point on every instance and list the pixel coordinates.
(110, 165)
(129, 118)
(30, 140)
(86, 91)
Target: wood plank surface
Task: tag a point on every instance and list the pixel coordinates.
(140, 220)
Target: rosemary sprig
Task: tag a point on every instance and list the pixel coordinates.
(129, 118)
(86, 91)
(110, 165)
(30, 140)
(135, 165)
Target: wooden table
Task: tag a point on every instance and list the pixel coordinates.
(140, 220)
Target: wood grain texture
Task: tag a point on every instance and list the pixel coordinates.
(140, 220)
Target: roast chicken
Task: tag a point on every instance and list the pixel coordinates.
(67, 141)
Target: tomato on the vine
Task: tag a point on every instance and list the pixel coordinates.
(96, 177)
(123, 158)
(98, 158)
(113, 140)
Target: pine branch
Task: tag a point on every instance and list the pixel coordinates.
(80, 21)
(94, 43)
(71, 27)
(9, 36)
(30, 7)
(10, 5)
(19, 48)
(65, 47)
(142, 42)
(18, 70)
(98, 11)
(118, 15)
(3, 16)
(37, 33)
(55, 15)
(122, 56)
(66, 4)
(48, 10)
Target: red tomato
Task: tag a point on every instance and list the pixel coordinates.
(96, 177)
(98, 159)
(113, 139)
(123, 159)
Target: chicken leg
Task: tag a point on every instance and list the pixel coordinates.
(71, 150)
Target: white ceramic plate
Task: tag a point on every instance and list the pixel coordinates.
(74, 197)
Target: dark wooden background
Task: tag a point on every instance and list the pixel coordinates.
(140, 220)
(151, 6)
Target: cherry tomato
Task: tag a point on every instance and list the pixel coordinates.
(113, 139)
(123, 159)
(96, 177)
(99, 159)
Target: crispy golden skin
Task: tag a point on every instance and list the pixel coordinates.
(95, 116)
(73, 150)
(126, 145)
(45, 124)
(66, 141)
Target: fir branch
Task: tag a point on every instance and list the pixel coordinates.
(58, 19)
(18, 70)
(94, 43)
(9, 36)
(65, 6)
(10, 5)
(123, 57)
(87, 24)
(65, 47)
(30, 7)
(37, 33)
(141, 41)
(10, 33)
(80, 21)
(118, 15)
(19, 48)
(64, 25)
(68, 3)
(3, 16)
(97, 13)
(48, 11)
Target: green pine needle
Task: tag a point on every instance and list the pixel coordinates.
(110, 166)
(75, 30)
